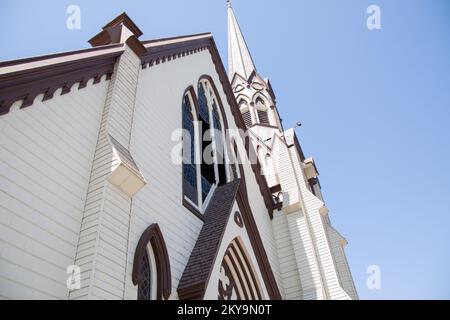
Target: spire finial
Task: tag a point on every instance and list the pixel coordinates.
(229, 3)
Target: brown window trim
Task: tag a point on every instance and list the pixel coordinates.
(190, 90)
(193, 209)
(154, 236)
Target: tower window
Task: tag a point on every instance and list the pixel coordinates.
(262, 111)
(263, 117)
(247, 118)
(246, 115)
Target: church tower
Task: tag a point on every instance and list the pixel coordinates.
(311, 253)
(254, 94)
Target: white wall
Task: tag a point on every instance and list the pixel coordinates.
(103, 241)
(345, 277)
(314, 222)
(288, 264)
(157, 115)
(46, 157)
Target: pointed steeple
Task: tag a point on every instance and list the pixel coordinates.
(239, 59)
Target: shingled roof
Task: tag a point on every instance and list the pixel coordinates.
(196, 274)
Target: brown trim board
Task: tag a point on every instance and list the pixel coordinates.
(154, 236)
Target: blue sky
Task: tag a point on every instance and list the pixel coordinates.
(375, 108)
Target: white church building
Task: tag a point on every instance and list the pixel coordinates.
(143, 170)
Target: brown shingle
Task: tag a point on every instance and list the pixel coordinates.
(201, 261)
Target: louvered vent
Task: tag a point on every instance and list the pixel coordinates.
(247, 118)
(263, 117)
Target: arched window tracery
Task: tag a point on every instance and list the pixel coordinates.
(207, 124)
(237, 280)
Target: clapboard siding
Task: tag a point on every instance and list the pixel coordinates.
(46, 157)
(158, 115)
(103, 241)
(296, 227)
(314, 222)
(345, 276)
(288, 266)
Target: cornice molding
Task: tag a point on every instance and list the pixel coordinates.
(168, 52)
(27, 84)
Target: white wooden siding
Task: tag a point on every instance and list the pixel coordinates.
(288, 265)
(103, 242)
(46, 155)
(345, 276)
(315, 223)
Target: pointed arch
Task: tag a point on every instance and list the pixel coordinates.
(262, 110)
(216, 94)
(244, 108)
(219, 124)
(152, 236)
(263, 96)
(237, 279)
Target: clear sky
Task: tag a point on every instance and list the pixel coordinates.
(375, 108)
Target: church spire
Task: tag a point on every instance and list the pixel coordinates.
(239, 59)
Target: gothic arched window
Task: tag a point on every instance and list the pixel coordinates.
(189, 152)
(213, 166)
(151, 266)
(208, 176)
(204, 149)
(237, 280)
(147, 285)
(262, 111)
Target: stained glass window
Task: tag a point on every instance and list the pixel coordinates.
(203, 103)
(217, 124)
(206, 186)
(189, 165)
(262, 111)
(145, 286)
